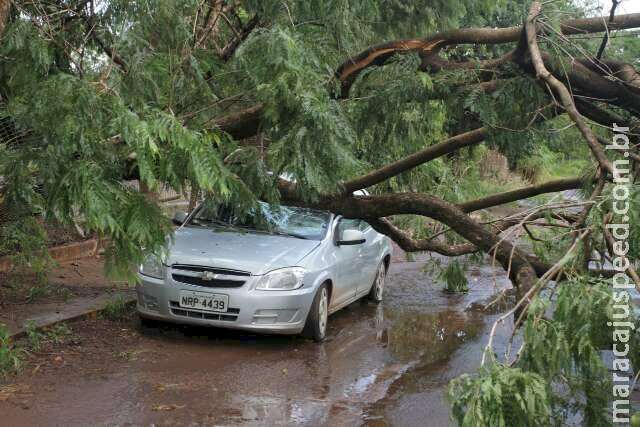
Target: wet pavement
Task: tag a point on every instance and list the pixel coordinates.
(381, 365)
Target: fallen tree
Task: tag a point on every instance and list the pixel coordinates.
(223, 97)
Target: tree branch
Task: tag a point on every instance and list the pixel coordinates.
(241, 124)
(427, 154)
(605, 39)
(210, 22)
(112, 55)
(232, 46)
(409, 244)
(376, 55)
(566, 100)
(522, 193)
(632, 155)
(513, 259)
(619, 70)
(605, 117)
(580, 76)
(585, 82)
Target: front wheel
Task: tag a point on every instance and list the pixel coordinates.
(377, 288)
(316, 326)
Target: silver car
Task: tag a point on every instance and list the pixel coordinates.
(280, 270)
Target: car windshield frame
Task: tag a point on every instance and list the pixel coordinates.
(273, 220)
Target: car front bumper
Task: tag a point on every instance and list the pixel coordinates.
(278, 312)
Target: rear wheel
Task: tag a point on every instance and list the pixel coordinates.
(316, 326)
(377, 288)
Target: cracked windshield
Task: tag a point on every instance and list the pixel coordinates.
(302, 223)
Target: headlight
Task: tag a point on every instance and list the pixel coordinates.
(152, 267)
(285, 279)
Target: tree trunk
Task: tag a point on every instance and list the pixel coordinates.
(5, 9)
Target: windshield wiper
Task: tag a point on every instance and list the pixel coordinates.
(197, 221)
(246, 228)
(285, 233)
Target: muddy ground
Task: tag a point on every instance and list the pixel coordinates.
(79, 283)
(385, 365)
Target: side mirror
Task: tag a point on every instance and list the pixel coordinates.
(351, 237)
(180, 217)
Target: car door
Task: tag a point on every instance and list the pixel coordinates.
(371, 251)
(348, 264)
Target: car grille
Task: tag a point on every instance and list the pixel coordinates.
(230, 316)
(194, 275)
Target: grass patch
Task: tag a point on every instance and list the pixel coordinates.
(39, 292)
(55, 334)
(547, 165)
(30, 289)
(45, 290)
(119, 309)
(35, 338)
(11, 357)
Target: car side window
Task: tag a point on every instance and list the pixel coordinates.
(347, 224)
(364, 226)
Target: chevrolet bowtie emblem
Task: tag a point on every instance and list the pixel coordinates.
(208, 275)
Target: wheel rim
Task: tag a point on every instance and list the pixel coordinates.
(380, 282)
(323, 312)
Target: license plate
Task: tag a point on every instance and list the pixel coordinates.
(204, 301)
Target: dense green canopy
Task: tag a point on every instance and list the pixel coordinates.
(223, 97)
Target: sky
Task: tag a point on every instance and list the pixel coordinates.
(626, 6)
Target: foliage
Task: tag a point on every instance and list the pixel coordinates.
(454, 277)
(569, 380)
(86, 118)
(118, 309)
(545, 164)
(55, 334)
(24, 242)
(500, 396)
(577, 332)
(34, 336)
(388, 114)
(97, 93)
(11, 357)
(349, 25)
(312, 135)
(512, 133)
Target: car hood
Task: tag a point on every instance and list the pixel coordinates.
(256, 253)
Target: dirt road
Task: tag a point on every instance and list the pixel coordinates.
(381, 365)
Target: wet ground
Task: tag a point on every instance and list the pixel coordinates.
(69, 288)
(386, 365)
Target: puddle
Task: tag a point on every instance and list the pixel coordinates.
(444, 334)
(381, 365)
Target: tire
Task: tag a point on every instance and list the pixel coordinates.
(315, 327)
(377, 287)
